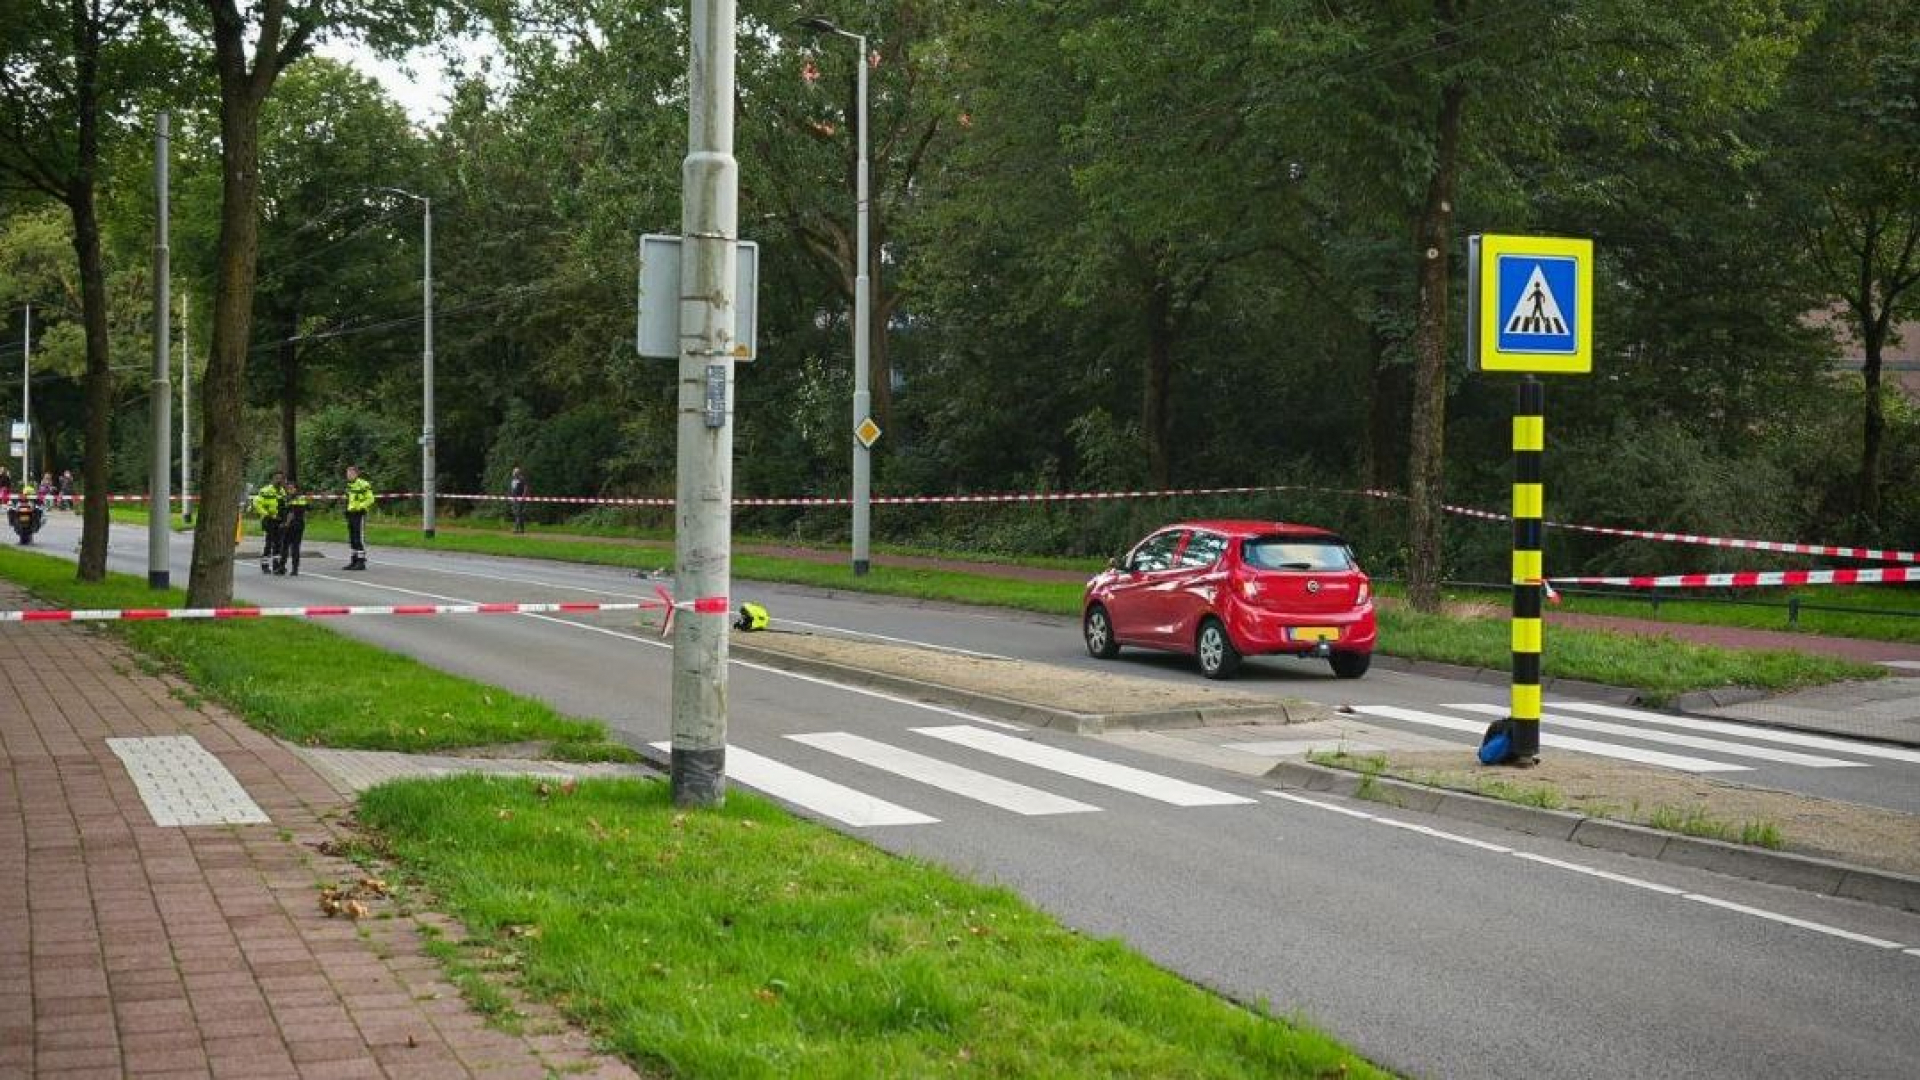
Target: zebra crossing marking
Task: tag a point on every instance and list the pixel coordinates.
(1082, 767)
(1564, 742)
(815, 793)
(1694, 742)
(957, 779)
(1750, 731)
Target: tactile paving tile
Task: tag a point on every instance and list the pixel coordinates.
(184, 784)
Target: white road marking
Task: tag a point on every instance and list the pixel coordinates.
(1564, 742)
(1756, 732)
(1452, 838)
(1695, 742)
(1594, 871)
(1081, 767)
(946, 776)
(851, 632)
(653, 642)
(1788, 920)
(1623, 879)
(815, 793)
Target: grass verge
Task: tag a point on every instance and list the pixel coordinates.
(1662, 667)
(744, 942)
(1698, 818)
(309, 685)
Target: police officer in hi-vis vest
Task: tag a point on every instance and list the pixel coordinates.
(266, 503)
(359, 501)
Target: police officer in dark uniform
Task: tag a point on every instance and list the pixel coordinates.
(293, 517)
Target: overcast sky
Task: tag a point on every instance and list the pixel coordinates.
(420, 83)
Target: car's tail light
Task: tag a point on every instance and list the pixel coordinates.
(1366, 593)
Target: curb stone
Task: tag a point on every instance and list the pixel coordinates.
(1078, 723)
(1826, 876)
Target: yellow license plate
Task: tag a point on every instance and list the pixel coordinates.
(1313, 633)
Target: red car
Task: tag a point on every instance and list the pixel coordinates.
(1223, 590)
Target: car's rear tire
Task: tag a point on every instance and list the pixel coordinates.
(1350, 665)
(1214, 649)
(1097, 628)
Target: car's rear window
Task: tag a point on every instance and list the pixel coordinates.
(1321, 553)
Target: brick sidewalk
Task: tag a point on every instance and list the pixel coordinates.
(139, 950)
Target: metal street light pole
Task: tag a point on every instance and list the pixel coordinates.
(862, 313)
(703, 506)
(186, 412)
(160, 467)
(26, 403)
(427, 470)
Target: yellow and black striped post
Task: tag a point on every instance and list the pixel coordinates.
(1529, 507)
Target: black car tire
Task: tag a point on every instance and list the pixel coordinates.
(1214, 649)
(1350, 665)
(1097, 628)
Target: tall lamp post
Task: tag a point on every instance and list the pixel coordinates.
(862, 301)
(426, 363)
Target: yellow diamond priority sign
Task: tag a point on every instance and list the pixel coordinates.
(868, 433)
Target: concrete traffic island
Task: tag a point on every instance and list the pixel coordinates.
(1823, 845)
(1041, 695)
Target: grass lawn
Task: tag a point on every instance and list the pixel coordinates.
(744, 943)
(1876, 613)
(1662, 667)
(309, 685)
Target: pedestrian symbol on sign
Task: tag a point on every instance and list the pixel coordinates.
(1531, 288)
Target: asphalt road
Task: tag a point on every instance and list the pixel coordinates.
(1462, 952)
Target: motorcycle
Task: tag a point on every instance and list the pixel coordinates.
(25, 518)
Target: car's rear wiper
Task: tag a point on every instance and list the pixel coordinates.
(1294, 566)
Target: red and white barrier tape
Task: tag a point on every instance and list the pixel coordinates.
(1746, 579)
(1778, 546)
(706, 605)
(1016, 498)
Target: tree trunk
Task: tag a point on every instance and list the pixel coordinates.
(1873, 429)
(222, 388)
(1425, 466)
(1156, 420)
(289, 393)
(94, 521)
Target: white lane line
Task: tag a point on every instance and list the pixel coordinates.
(815, 793)
(955, 649)
(1594, 871)
(1346, 810)
(1564, 742)
(1788, 920)
(1081, 767)
(1755, 732)
(1623, 879)
(1695, 742)
(655, 643)
(847, 630)
(944, 775)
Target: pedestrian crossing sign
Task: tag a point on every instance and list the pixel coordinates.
(1531, 305)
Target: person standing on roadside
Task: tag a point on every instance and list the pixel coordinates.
(66, 489)
(359, 501)
(267, 502)
(6, 484)
(517, 496)
(293, 512)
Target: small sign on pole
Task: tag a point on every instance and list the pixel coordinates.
(1531, 305)
(20, 431)
(867, 432)
(659, 332)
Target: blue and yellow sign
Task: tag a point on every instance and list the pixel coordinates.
(1531, 303)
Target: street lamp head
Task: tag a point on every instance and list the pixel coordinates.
(821, 25)
(403, 194)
